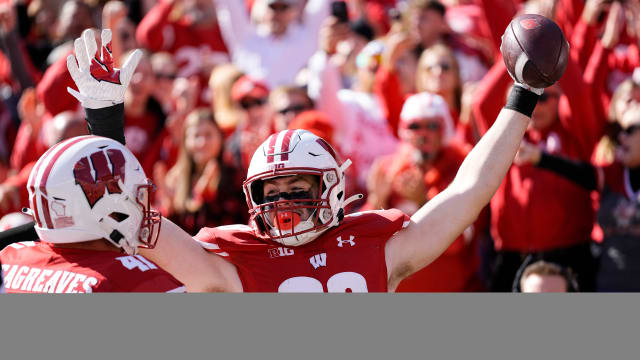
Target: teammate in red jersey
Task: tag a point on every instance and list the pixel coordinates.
(299, 238)
(86, 222)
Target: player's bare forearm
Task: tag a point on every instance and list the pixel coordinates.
(439, 222)
(200, 271)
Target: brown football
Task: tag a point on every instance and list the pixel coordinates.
(534, 50)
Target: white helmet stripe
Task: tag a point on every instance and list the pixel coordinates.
(286, 140)
(272, 144)
(33, 201)
(31, 185)
(43, 175)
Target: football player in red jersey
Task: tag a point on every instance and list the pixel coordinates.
(90, 226)
(299, 239)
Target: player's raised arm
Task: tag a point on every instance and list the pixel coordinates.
(444, 218)
(101, 89)
(181, 256)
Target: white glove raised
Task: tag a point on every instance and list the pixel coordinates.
(99, 83)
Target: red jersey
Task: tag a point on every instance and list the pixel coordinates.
(38, 267)
(455, 270)
(346, 258)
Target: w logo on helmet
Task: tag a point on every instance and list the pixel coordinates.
(106, 177)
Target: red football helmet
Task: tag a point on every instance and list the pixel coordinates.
(90, 187)
(288, 153)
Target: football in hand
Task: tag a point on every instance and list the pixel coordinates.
(534, 50)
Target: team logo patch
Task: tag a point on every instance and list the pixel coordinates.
(60, 218)
(318, 260)
(281, 251)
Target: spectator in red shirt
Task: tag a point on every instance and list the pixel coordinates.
(534, 211)
(437, 72)
(251, 98)
(619, 186)
(144, 117)
(13, 191)
(426, 22)
(424, 165)
(188, 29)
(200, 190)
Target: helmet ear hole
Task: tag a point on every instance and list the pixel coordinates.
(118, 216)
(340, 195)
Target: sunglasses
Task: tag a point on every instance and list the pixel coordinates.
(293, 109)
(247, 104)
(443, 66)
(546, 96)
(279, 7)
(431, 126)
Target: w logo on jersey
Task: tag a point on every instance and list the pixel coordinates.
(318, 260)
(106, 177)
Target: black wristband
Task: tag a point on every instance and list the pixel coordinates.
(522, 100)
(107, 122)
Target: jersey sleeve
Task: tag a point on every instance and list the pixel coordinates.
(207, 238)
(378, 224)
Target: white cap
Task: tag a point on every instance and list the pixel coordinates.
(427, 105)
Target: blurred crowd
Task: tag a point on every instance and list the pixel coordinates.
(403, 88)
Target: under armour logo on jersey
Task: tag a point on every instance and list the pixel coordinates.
(318, 260)
(342, 242)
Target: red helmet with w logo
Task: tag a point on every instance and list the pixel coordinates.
(90, 187)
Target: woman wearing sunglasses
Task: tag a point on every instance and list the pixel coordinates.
(619, 186)
(437, 72)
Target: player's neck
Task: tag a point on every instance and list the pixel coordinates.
(96, 245)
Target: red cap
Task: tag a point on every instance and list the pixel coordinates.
(315, 121)
(247, 87)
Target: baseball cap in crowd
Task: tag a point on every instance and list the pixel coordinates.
(246, 87)
(315, 121)
(427, 105)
